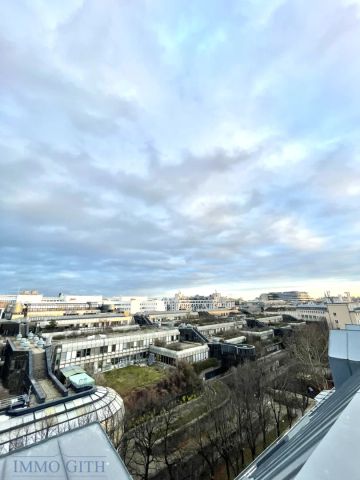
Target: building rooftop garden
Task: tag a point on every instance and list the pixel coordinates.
(248, 329)
(208, 320)
(233, 333)
(179, 346)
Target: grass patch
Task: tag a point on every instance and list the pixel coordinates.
(125, 380)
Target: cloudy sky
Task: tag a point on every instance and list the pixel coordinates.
(149, 146)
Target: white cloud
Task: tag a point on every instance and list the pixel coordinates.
(162, 146)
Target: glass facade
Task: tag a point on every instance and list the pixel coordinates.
(105, 406)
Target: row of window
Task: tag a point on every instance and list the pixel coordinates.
(85, 352)
(313, 311)
(108, 349)
(135, 337)
(314, 317)
(66, 306)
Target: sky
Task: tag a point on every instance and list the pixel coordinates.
(153, 146)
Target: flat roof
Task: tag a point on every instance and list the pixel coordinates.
(205, 320)
(30, 346)
(83, 336)
(179, 346)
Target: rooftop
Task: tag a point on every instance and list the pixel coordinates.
(83, 453)
(209, 320)
(179, 346)
(84, 336)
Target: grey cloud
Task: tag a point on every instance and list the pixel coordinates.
(133, 161)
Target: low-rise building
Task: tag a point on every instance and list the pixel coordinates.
(216, 328)
(168, 316)
(198, 303)
(312, 312)
(94, 321)
(258, 333)
(99, 353)
(235, 340)
(177, 352)
(291, 296)
(136, 304)
(19, 310)
(271, 319)
(337, 315)
(222, 312)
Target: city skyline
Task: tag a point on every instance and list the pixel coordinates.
(162, 147)
(245, 294)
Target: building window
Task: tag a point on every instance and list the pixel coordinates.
(104, 349)
(113, 348)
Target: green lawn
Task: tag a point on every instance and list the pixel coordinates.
(125, 380)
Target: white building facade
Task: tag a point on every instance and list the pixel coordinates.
(104, 352)
(136, 304)
(341, 314)
(198, 303)
(192, 354)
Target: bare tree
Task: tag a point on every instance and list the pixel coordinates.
(172, 457)
(145, 436)
(246, 388)
(277, 395)
(261, 399)
(309, 349)
(238, 413)
(202, 448)
(212, 436)
(221, 436)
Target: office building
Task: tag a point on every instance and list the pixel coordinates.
(99, 353)
(199, 303)
(135, 304)
(179, 352)
(287, 297)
